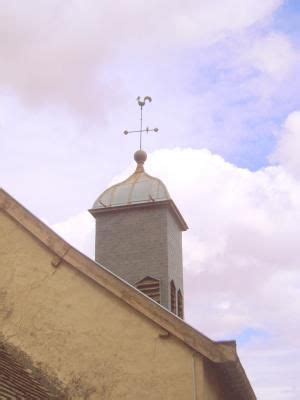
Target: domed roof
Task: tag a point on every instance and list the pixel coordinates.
(138, 188)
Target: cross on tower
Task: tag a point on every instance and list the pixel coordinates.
(141, 103)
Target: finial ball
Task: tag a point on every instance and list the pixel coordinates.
(140, 156)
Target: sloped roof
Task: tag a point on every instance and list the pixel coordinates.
(222, 353)
(17, 381)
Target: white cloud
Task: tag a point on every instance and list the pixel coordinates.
(274, 369)
(79, 231)
(241, 254)
(273, 55)
(288, 147)
(55, 51)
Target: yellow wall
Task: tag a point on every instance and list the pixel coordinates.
(75, 330)
(212, 387)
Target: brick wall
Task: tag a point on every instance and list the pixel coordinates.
(139, 242)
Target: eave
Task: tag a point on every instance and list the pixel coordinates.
(161, 203)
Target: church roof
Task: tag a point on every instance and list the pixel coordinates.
(138, 188)
(18, 381)
(223, 354)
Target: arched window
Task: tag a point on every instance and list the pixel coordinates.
(150, 287)
(180, 304)
(173, 297)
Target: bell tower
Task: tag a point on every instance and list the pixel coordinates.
(139, 236)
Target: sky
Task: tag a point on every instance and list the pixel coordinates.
(224, 76)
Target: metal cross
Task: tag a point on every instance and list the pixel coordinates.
(141, 103)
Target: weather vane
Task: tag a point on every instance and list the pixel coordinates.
(141, 103)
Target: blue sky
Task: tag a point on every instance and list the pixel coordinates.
(287, 18)
(225, 81)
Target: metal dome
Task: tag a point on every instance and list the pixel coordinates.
(138, 188)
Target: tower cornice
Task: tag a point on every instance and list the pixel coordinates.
(169, 203)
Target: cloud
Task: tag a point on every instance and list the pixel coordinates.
(234, 241)
(273, 55)
(56, 52)
(241, 255)
(83, 240)
(268, 361)
(288, 147)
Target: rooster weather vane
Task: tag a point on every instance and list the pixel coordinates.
(141, 103)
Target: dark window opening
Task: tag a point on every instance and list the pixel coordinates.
(173, 297)
(180, 304)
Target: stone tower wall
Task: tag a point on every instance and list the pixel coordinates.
(141, 241)
(174, 237)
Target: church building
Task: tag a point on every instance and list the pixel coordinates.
(113, 328)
